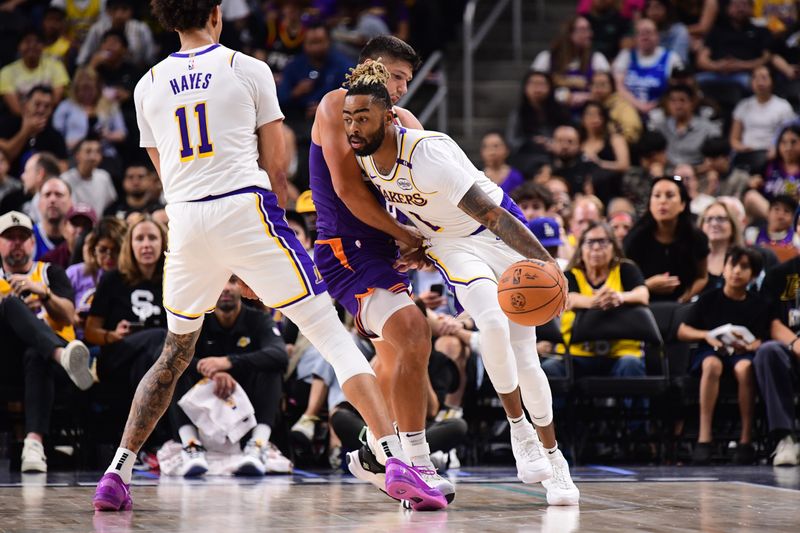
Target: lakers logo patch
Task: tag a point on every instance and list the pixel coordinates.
(404, 184)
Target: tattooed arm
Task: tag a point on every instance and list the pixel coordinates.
(511, 231)
(154, 392)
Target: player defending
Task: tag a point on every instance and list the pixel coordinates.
(210, 120)
(356, 260)
(473, 232)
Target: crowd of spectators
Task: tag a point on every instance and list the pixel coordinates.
(654, 151)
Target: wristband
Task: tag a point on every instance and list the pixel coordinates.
(791, 344)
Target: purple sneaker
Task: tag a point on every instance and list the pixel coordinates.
(112, 494)
(404, 483)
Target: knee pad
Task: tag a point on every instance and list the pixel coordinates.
(533, 384)
(495, 344)
(317, 320)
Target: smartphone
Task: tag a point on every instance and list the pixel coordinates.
(133, 327)
(438, 288)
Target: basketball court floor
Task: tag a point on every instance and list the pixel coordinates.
(649, 499)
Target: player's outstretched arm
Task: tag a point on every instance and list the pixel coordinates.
(272, 158)
(346, 177)
(477, 204)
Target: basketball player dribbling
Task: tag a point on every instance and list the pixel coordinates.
(355, 253)
(210, 121)
(473, 233)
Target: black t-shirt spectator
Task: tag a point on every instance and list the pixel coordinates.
(608, 28)
(115, 300)
(679, 258)
(747, 43)
(780, 289)
(253, 343)
(629, 274)
(121, 209)
(48, 140)
(126, 76)
(714, 309)
(576, 173)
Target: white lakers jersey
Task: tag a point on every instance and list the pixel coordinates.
(431, 176)
(201, 109)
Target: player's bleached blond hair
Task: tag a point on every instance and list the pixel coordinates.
(370, 72)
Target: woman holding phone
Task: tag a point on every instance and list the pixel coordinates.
(127, 318)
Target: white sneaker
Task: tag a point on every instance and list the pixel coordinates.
(303, 429)
(250, 463)
(75, 360)
(560, 488)
(194, 460)
(274, 460)
(787, 452)
(532, 465)
(455, 462)
(33, 458)
(432, 478)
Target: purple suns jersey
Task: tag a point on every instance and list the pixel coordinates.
(333, 217)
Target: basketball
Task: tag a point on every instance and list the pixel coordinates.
(531, 292)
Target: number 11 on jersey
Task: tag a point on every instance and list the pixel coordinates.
(205, 148)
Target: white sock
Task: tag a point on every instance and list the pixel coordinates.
(262, 432)
(519, 424)
(188, 434)
(122, 465)
(551, 451)
(415, 445)
(390, 444)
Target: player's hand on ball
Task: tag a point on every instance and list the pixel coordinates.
(224, 385)
(247, 292)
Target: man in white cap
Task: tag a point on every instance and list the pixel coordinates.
(36, 314)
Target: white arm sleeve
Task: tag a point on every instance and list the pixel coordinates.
(257, 78)
(441, 164)
(146, 137)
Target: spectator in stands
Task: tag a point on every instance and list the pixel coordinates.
(280, 36)
(722, 178)
(621, 223)
(533, 199)
(609, 27)
(559, 190)
(636, 183)
(55, 201)
(756, 121)
(699, 17)
(673, 34)
(603, 146)
(642, 73)
(138, 188)
(119, 76)
(100, 253)
(620, 111)
(81, 14)
(238, 345)
(29, 71)
(685, 132)
(38, 168)
(119, 17)
(569, 162)
(723, 231)
(78, 222)
(54, 39)
(781, 175)
(8, 185)
(20, 137)
(671, 252)
(776, 362)
(780, 234)
(531, 125)
(90, 184)
(300, 228)
(698, 200)
(732, 50)
(730, 304)
(586, 211)
(312, 74)
(599, 277)
(305, 206)
(571, 62)
(87, 113)
(786, 61)
(36, 323)
(358, 25)
(494, 154)
(127, 318)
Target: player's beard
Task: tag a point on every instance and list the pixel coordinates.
(371, 142)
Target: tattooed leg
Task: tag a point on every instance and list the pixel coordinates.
(155, 391)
